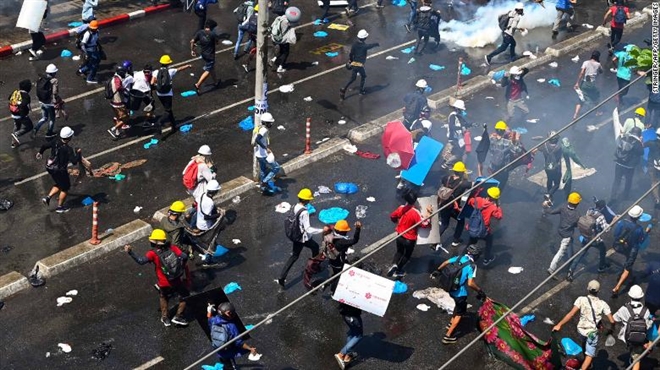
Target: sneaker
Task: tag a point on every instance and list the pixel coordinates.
(436, 247)
(488, 261)
(613, 70)
(392, 270)
(80, 73)
(455, 244)
(180, 321)
(15, 138)
(62, 209)
(407, 27)
(379, 7)
(340, 361)
(280, 69)
(604, 268)
(14, 145)
(398, 274)
(166, 321)
(569, 277)
(342, 93)
(363, 92)
(46, 201)
(550, 271)
(280, 282)
(113, 133)
(448, 340)
(245, 67)
(487, 59)
(33, 53)
(92, 81)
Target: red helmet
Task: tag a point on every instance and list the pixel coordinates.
(573, 364)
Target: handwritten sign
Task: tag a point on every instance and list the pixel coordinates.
(364, 290)
(429, 235)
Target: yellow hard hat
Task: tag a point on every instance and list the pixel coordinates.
(501, 125)
(459, 167)
(178, 207)
(256, 8)
(640, 112)
(574, 198)
(494, 193)
(342, 225)
(165, 60)
(158, 235)
(305, 194)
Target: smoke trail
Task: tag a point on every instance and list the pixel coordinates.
(483, 29)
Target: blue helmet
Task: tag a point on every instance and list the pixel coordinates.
(128, 65)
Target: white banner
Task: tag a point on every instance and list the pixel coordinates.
(429, 235)
(364, 290)
(32, 13)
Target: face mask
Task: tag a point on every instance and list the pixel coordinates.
(517, 77)
(463, 113)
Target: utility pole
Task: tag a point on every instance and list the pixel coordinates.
(261, 79)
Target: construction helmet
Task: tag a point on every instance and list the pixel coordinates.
(519, 6)
(422, 84)
(501, 125)
(474, 249)
(267, 117)
(574, 198)
(204, 150)
(363, 34)
(636, 292)
(165, 60)
(305, 194)
(256, 8)
(459, 167)
(213, 185)
(640, 112)
(158, 235)
(636, 212)
(51, 68)
(178, 207)
(94, 25)
(342, 225)
(493, 193)
(66, 132)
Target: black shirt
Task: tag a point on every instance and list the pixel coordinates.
(346, 310)
(206, 41)
(61, 153)
(24, 106)
(459, 185)
(359, 51)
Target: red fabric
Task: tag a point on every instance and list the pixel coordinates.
(613, 11)
(467, 137)
(162, 280)
(406, 216)
(488, 210)
(516, 89)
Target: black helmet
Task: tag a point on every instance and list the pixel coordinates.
(553, 138)
(473, 250)
(636, 131)
(121, 70)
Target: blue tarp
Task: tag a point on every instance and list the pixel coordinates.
(247, 123)
(426, 153)
(332, 215)
(399, 287)
(346, 188)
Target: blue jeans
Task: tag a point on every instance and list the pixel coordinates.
(507, 41)
(600, 245)
(413, 12)
(47, 115)
(590, 344)
(239, 40)
(354, 335)
(91, 64)
(267, 171)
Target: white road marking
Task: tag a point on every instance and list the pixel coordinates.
(150, 363)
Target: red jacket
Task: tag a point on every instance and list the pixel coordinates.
(488, 210)
(162, 280)
(406, 216)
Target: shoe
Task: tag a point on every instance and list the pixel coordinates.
(363, 92)
(62, 209)
(407, 27)
(448, 340)
(554, 34)
(245, 67)
(550, 271)
(180, 321)
(455, 244)
(14, 145)
(436, 247)
(379, 7)
(487, 59)
(34, 55)
(613, 70)
(604, 268)
(92, 81)
(197, 90)
(280, 69)
(342, 94)
(46, 201)
(488, 261)
(113, 133)
(80, 73)
(340, 361)
(280, 282)
(569, 277)
(15, 138)
(166, 321)
(392, 270)
(398, 274)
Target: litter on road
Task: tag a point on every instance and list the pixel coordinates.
(408, 50)
(437, 296)
(231, 288)
(247, 123)
(423, 307)
(61, 301)
(371, 199)
(283, 207)
(553, 65)
(575, 59)
(64, 347)
(188, 93)
(548, 321)
(346, 188)
(465, 71)
(338, 27)
(341, 122)
(332, 215)
(332, 54)
(281, 128)
(66, 54)
(87, 201)
(308, 98)
(227, 42)
(350, 148)
(587, 26)
(254, 356)
(350, 251)
(389, 57)
(137, 209)
(236, 241)
(411, 60)
(320, 34)
(399, 287)
(515, 270)
(186, 128)
(322, 189)
(436, 67)
(220, 251)
(527, 318)
(75, 58)
(286, 88)
(72, 292)
(533, 120)
(554, 82)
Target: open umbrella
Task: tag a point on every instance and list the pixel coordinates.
(397, 145)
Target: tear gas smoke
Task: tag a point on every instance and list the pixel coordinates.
(482, 28)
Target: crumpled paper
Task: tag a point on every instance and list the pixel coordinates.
(515, 270)
(283, 207)
(438, 297)
(254, 357)
(423, 307)
(61, 301)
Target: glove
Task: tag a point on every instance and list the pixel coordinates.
(435, 274)
(210, 309)
(481, 295)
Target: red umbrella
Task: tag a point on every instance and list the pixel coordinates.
(398, 145)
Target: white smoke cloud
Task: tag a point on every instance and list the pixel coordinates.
(482, 29)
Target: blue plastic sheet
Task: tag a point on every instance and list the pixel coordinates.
(247, 123)
(186, 128)
(520, 130)
(188, 93)
(408, 50)
(220, 251)
(249, 326)
(231, 288)
(117, 177)
(250, 108)
(320, 34)
(332, 54)
(87, 201)
(527, 318)
(310, 209)
(399, 287)
(465, 71)
(570, 347)
(497, 76)
(346, 188)
(217, 366)
(318, 22)
(399, 2)
(332, 215)
(151, 143)
(75, 24)
(436, 67)
(554, 82)
(66, 53)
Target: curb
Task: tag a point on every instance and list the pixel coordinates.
(11, 283)
(63, 34)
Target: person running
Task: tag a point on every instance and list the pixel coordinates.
(466, 279)
(307, 231)
(61, 154)
(206, 39)
(118, 103)
(568, 221)
(452, 186)
(281, 30)
(627, 156)
(586, 82)
(565, 10)
(411, 15)
(553, 154)
(505, 147)
(357, 59)
(623, 72)
(199, 171)
(489, 208)
(140, 91)
(592, 310)
(243, 13)
(405, 217)
(335, 245)
(19, 108)
(164, 89)
(268, 167)
(249, 28)
(38, 37)
(628, 238)
(414, 103)
(516, 92)
(508, 40)
(172, 274)
(222, 326)
(620, 15)
(422, 23)
(352, 316)
(48, 93)
(636, 320)
(457, 128)
(594, 222)
(92, 47)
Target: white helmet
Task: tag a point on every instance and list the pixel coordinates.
(267, 117)
(519, 6)
(636, 292)
(363, 34)
(459, 104)
(427, 124)
(422, 84)
(213, 185)
(204, 150)
(424, 8)
(636, 212)
(515, 70)
(51, 69)
(66, 132)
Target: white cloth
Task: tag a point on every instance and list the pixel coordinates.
(140, 82)
(205, 206)
(172, 72)
(204, 175)
(127, 82)
(591, 68)
(623, 316)
(586, 325)
(260, 152)
(514, 19)
(305, 226)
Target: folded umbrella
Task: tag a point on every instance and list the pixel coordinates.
(398, 145)
(483, 147)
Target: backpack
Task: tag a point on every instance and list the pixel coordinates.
(109, 92)
(424, 21)
(170, 264)
(44, 90)
(292, 226)
(79, 37)
(476, 224)
(624, 149)
(163, 81)
(251, 25)
(314, 267)
(503, 21)
(622, 241)
(276, 31)
(636, 327)
(219, 335)
(278, 7)
(241, 12)
(619, 16)
(450, 275)
(413, 106)
(445, 192)
(328, 248)
(587, 226)
(15, 101)
(190, 175)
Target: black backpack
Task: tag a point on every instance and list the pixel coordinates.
(163, 81)
(636, 327)
(587, 226)
(450, 275)
(476, 224)
(109, 92)
(624, 149)
(44, 90)
(503, 21)
(622, 242)
(424, 21)
(292, 226)
(170, 264)
(241, 12)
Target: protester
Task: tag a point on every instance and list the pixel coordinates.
(505, 147)
(172, 274)
(405, 217)
(356, 60)
(565, 9)
(140, 91)
(206, 39)
(623, 72)
(636, 320)
(652, 273)
(268, 167)
(48, 92)
(38, 37)
(249, 28)
(628, 154)
(457, 129)
(628, 238)
(92, 47)
(88, 10)
(636, 121)
(411, 15)
(19, 109)
(223, 328)
(451, 188)
(569, 155)
(489, 209)
(516, 91)
(553, 154)
(117, 102)
(414, 103)
(199, 171)
(61, 154)
(243, 13)
(620, 15)
(175, 226)
(207, 212)
(335, 246)
(353, 319)
(592, 310)
(164, 89)
(586, 83)
(568, 221)
(422, 23)
(591, 224)
(508, 40)
(283, 35)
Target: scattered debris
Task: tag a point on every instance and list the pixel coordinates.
(322, 189)
(346, 188)
(341, 121)
(529, 54)
(389, 57)
(250, 108)
(281, 128)
(188, 93)
(249, 326)
(160, 41)
(408, 50)
(436, 67)
(533, 120)
(332, 54)
(231, 287)
(443, 248)
(47, 354)
(350, 251)
(570, 347)
(587, 26)
(137, 209)
(315, 63)
(540, 80)
(309, 98)
(72, 293)
(465, 71)
(371, 199)
(437, 296)
(66, 54)
(411, 60)
(19, 52)
(554, 82)
(548, 321)
(520, 130)
(332, 215)
(151, 143)
(320, 34)
(254, 356)
(227, 42)
(286, 88)
(283, 207)
(186, 128)
(490, 98)
(87, 201)
(610, 341)
(399, 287)
(526, 319)
(236, 199)
(75, 58)
(477, 138)
(61, 301)
(553, 65)
(75, 24)
(102, 351)
(247, 124)
(575, 59)
(338, 27)
(236, 241)
(361, 211)
(423, 307)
